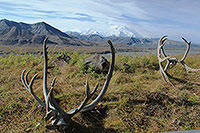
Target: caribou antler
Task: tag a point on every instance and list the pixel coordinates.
(171, 60)
(160, 53)
(188, 69)
(54, 112)
(29, 86)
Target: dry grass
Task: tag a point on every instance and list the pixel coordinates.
(137, 99)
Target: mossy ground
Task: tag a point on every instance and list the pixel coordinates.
(137, 100)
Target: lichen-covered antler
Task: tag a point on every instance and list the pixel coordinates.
(171, 60)
(54, 112)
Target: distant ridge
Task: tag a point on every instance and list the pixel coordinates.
(124, 41)
(14, 33)
(19, 33)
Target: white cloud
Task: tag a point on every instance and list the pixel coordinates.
(151, 18)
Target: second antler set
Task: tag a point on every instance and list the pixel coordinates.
(171, 60)
(54, 112)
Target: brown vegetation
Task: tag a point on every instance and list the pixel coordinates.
(137, 99)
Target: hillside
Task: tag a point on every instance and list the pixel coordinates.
(13, 33)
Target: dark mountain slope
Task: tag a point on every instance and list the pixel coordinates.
(13, 33)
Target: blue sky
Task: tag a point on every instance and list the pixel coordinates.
(150, 18)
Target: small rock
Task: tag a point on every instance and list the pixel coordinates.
(62, 59)
(100, 64)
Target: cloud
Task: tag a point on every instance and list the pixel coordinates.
(9, 4)
(154, 18)
(151, 18)
(42, 11)
(80, 18)
(82, 14)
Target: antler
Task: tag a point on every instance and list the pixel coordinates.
(160, 49)
(28, 86)
(182, 61)
(171, 60)
(54, 112)
(106, 84)
(187, 49)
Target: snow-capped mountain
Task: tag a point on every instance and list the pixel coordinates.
(119, 35)
(114, 30)
(122, 32)
(90, 32)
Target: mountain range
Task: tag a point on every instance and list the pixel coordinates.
(14, 33)
(114, 30)
(124, 41)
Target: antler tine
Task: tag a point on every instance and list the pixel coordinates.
(53, 82)
(28, 86)
(166, 66)
(186, 41)
(106, 83)
(45, 69)
(188, 69)
(26, 77)
(161, 72)
(57, 114)
(160, 49)
(187, 49)
(163, 51)
(161, 43)
(32, 80)
(162, 40)
(87, 88)
(49, 113)
(165, 77)
(53, 101)
(95, 88)
(25, 83)
(88, 96)
(49, 96)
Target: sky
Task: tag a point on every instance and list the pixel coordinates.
(150, 18)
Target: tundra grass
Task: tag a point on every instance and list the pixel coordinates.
(137, 100)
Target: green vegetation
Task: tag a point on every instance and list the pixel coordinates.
(137, 99)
